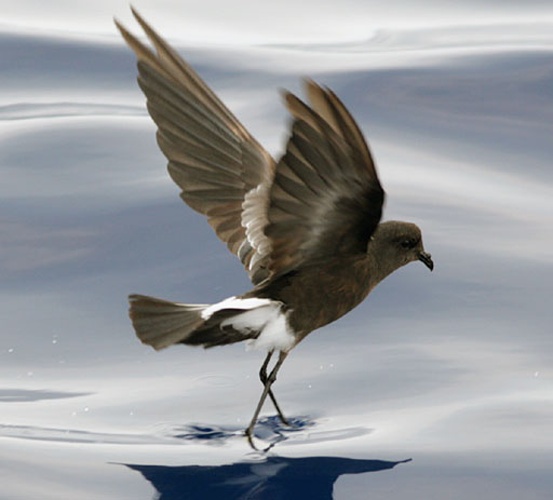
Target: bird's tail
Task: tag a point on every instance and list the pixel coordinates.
(161, 323)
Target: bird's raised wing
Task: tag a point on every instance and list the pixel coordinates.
(326, 199)
(212, 157)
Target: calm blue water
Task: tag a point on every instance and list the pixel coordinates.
(451, 369)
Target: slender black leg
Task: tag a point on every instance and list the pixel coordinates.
(270, 380)
(263, 377)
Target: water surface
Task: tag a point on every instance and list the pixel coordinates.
(451, 369)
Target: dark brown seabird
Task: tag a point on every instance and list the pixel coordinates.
(306, 227)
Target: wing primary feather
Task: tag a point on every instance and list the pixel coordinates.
(168, 55)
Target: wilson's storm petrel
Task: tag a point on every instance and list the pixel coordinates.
(306, 227)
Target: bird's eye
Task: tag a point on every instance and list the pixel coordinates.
(408, 243)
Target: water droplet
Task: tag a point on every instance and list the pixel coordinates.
(10, 350)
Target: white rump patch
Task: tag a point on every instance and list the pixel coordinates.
(262, 315)
(276, 334)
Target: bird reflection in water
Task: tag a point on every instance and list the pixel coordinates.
(275, 478)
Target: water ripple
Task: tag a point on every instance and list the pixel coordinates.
(33, 110)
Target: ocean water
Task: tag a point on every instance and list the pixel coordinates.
(439, 386)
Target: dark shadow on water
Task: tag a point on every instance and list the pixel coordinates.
(269, 431)
(275, 478)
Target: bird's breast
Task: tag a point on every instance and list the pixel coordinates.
(321, 293)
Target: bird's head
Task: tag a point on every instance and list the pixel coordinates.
(395, 244)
